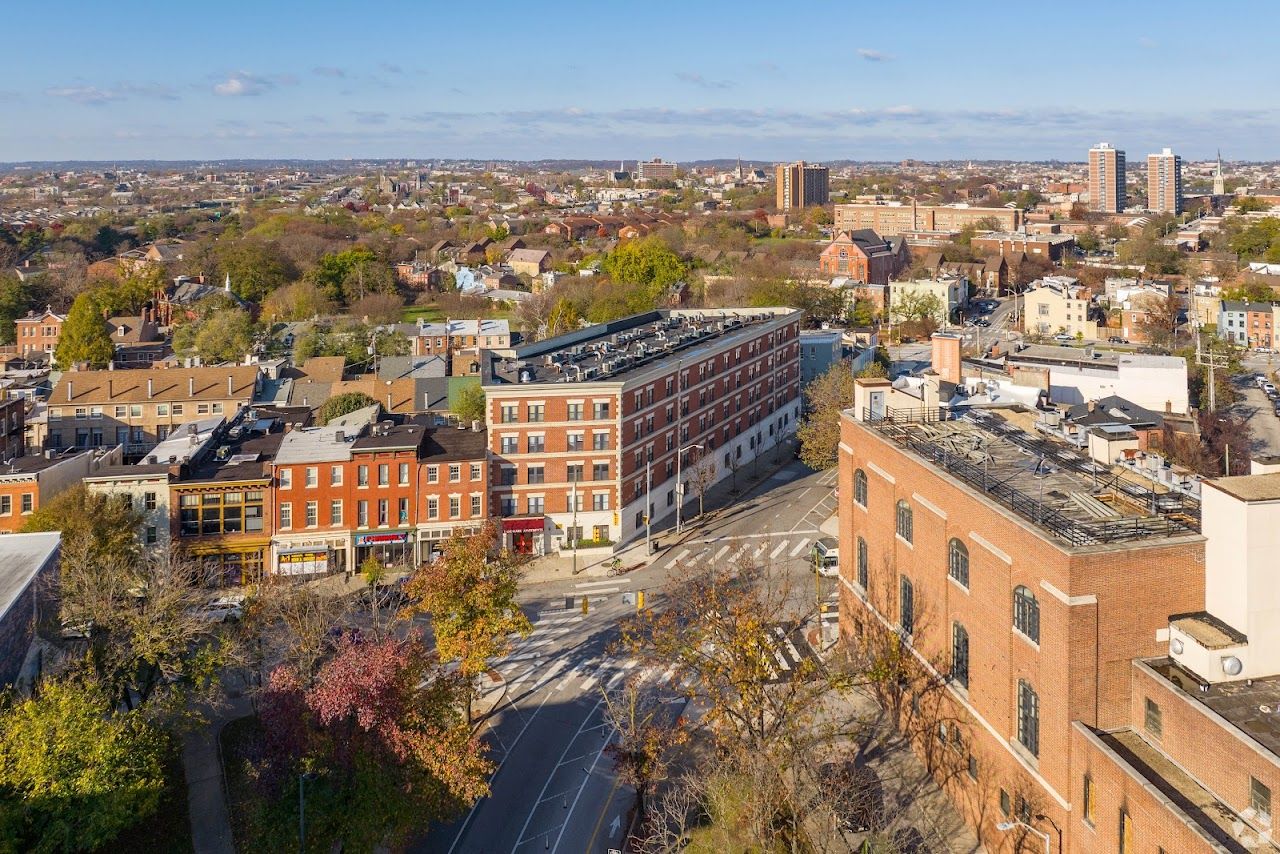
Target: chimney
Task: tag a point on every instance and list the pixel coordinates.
(340, 436)
(151, 387)
(946, 357)
(191, 386)
(70, 392)
(109, 390)
(1093, 404)
(231, 386)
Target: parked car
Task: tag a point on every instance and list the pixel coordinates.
(1269, 388)
(826, 556)
(982, 321)
(1116, 339)
(221, 609)
(1063, 337)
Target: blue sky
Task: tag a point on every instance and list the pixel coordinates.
(563, 78)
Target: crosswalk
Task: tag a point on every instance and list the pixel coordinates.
(766, 548)
(530, 665)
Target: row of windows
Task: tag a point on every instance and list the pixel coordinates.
(163, 410)
(536, 504)
(383, 509)
(311, 475)
(536, 443)
(535, 474)
(535, 412)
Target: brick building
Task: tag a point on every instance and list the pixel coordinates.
(28, 483)
(801, 185)
(38, 333)
(1051, 247)
(603, 417)
(864, 256)
(1023, 582)
(1107, 191)
(897, 218)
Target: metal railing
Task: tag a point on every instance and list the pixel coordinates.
(895, 424)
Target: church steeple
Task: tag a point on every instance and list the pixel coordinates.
(1219, 184)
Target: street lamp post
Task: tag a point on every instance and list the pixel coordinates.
(680, 484)
(1006, 826)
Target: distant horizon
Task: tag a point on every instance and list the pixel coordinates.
(260, 81)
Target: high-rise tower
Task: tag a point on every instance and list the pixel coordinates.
(1164, 182)
(1106, 178)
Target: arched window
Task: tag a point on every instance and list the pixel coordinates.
(904, 520)
(862, 563)
(906, 606)
(960, 654)
(860, 487)
(958, 561)
(1028, 717)
(1026, 613)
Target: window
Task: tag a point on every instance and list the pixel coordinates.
(335, 475)
(1088, 805)
(217, 408)
(286, 478)
(402, 511)
(958, 561)
(455, 472)
(509, 445)
(28, 502)
(904, 520)
(1260, 800)
(384, 474)
(507, 476)
(152, 535)
(508, 413)
(362, 513)
(148, 501)
(1026, 613)
(535, 413)
(362, 475)
(1028, 717)
(535, 505)
(600, 501)
(455, 506)
(1126, 833)
(536, 444)
(973, 767)
(600, 471)
(476, 471)
(162, 409)
(960, 654)
(1005, 807)
(600, 411)
(860, 487)
(862, 563)
(576, 441)
(6, 505)
(1151, 719)
(286, 515)
(312, 476)
(202, 409)
(433, 507)
(121, 410)
(575, 412)
(433, 474)
(600, 533)
(536, 474)
(335, 511)
(906, 605)
(600, 441)
(573, 472)
(384, 512)
(402, 472)
(177, 408)
(475, 505)
(313, 513)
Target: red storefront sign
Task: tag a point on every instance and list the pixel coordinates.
(510, 525)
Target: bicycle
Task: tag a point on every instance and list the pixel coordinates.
(615, 567)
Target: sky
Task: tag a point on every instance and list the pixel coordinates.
(930, 79)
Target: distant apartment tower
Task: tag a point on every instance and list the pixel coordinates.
(1164, 182)
(802, 184)
(1106, 178)
(656, 169)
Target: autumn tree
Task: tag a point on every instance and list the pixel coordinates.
(648, 263)
(564, 318)
(646, 737)
(74, 770)
(918, 307)
(224, 335)
(85, 338)
(256, 267)
(298, 301)
(701, 474)
(1159, 319)
(469, 403)
(825, 398)
(470, 593)
(343, 404)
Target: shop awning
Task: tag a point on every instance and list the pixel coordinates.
(526, 523)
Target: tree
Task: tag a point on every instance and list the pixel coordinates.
(1250, 204)
(256, 267)
(701, 474)
(470, 593)
(923, 309)
(223, 336)
(646, 737)
(378, 307)
(74, 771)
(469, 403)
(825, 398)
(343, 404)
(564, 318)
(648, 262)
(1159, 319)
(85, 338)
(107, 526)
(15, 301)
(298, 301)
(132, 289)
(347, 276)
(1089, 240)
(1249, 290)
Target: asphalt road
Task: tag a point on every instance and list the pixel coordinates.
(1254, 406)
(554, 788)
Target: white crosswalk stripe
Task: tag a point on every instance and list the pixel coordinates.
(589, 586)
(777, 550)
(679, 558)
(719, 554)
(800, 547)
(759, 551)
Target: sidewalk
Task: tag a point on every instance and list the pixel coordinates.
(719, 498)
(206, 795)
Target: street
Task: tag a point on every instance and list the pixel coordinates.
(554, 788)
(1255, 408)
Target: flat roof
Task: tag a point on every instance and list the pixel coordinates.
(1090, 357)
(1047, 482)
(1249, 487)
(613, 350)
(21, 558)
(315, 444)
(1250, 705)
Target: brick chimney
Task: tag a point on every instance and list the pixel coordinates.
(946, 357)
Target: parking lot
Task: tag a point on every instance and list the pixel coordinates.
(1256, 407)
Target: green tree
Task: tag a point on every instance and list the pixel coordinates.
(1250, 204)
(469, 403)
(1089, 240)
(256, 267)
(825, 398)
(15, 301)
(299, 301)
(1250, 291)
(348, 275)
(470, 593)
(131, 292)
(648, 262)
(85, 337)
(74, 772)
(223, 336)
(564, 317)
(107, 527)
(343, 404)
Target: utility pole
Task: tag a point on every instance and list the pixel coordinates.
(1208, 359)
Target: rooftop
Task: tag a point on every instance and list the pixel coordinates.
(233, 382)
(35, 463)
(1048, 483)
(613, 350)
(21, 558)
(1254, 487)
(1091, 357)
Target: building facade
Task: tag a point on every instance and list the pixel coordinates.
(590, 431)
(801, 184)
(1164, 182)
(864, 256)
(656, 169)
(899, 218)
(1057, 305)
(1106, 179)
(38, 333)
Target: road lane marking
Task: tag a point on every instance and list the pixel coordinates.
(572, 675)
(588, 585)
(586, 779)
(778, 549)
(603, 590)
(803, 544)
(684, 553)
(719, 554)
(520, 836)
(714, 540)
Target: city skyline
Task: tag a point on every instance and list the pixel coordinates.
(551, 83)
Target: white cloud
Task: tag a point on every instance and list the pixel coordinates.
(874, 55)
(241, 83)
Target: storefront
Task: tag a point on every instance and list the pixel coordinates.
(300, 557)
(391, 548)
(431, 540)
(230, 566)
(525, 535)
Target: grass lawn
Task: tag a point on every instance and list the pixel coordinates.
(169, 830)
(429, 313)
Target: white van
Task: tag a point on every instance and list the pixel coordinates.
(826, 556)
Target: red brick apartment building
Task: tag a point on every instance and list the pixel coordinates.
(1024, 582)
(605, 418)
(904, 217)
(38, 333)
